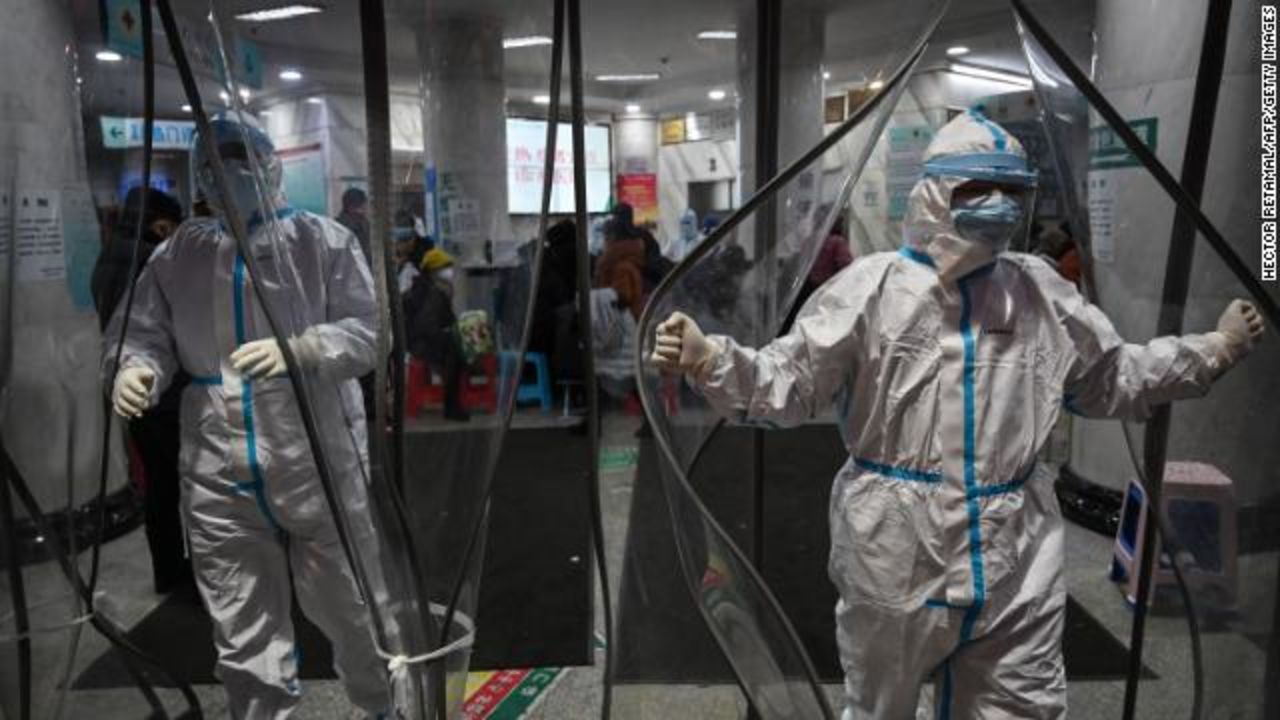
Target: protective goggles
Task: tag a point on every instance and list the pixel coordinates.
(995, 167)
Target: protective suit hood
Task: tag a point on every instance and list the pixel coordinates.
(970, 147)
(253, 170)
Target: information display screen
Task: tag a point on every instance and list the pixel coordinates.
(526, 153)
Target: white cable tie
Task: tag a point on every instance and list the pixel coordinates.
(397, 662)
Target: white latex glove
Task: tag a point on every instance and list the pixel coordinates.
(680, 346)
(1239, 328)
(259, 359)
(132, 392)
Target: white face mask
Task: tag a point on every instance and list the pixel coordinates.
(445, 275)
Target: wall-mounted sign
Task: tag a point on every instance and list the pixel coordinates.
(833, 109)
(855, 99)
(249, 63)
(119, 133)
(303, 171)
(123, 23)
(640, 191)
(673, 131)
(1107, 150)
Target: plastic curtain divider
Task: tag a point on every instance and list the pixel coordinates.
(677, 481)
(1189, 219)
(1150, 162)
(582, 267)
(239, 233)
(86, 592)
(130, 654)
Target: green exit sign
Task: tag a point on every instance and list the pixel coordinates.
(1107, 150)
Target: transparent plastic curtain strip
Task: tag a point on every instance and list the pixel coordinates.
(1226, 591)
(418, 580)
(61, 498)
(775, 237)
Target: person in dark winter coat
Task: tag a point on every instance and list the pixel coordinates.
(155, 435)
(432, 327)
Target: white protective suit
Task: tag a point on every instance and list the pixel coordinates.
(257, 520)
(949, 363)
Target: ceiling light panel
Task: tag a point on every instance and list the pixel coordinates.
(629, 78)
(280, 12)
(523, 42)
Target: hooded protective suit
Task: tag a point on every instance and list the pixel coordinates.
(258, 523)
(948, 362)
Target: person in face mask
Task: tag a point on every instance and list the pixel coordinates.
(948, 362)
(432, 328)
(259, 526)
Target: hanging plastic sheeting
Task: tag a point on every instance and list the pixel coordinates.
(387, 566)
(741, 281)
(66, 246)
(469, 199)
(1209, 640)
(43, 328)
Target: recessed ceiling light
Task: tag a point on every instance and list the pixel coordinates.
(290, 75)
(633, 108)
(225, 97)
(244, 94)
(718, 35)
(875, 84)
(281, 12)
(632, 77)
(523, 42)
(186, 108)
(826, 74)
(983, 73)
(109, 56)
(542, 99)
(315, 100)
(717, 94)
(957, 50)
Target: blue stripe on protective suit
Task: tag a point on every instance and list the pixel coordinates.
(911, 253)
(898, 473)
(997, 135)
(206, 380)
(256, 486)
(970, 470)
(944, 702)
(1006, 487)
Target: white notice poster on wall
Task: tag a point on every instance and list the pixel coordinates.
(1102, 212)
(37, 236)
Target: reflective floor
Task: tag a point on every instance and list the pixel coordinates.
(576, 692)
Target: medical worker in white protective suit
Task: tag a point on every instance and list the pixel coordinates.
(949, 361)
(256, 517)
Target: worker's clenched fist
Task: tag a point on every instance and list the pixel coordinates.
(132, 392)
(1240, 327)
(680, 346)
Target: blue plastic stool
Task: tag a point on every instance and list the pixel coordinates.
(537, 391)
